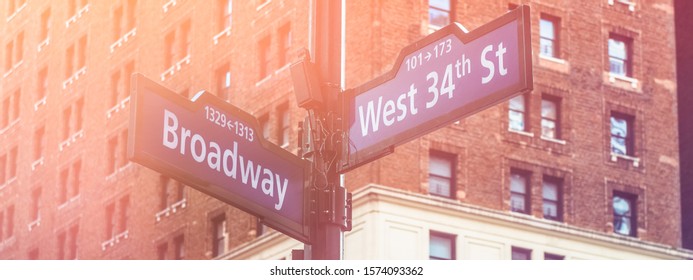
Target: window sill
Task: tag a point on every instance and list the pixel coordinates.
(552, 59)
(72, 79)
(553, 140)
(68, 202)
(265, 79)
(286, 66)
(8, 182)
(16, 12)
(10, 126)
(176, 67)
(631, 5)
(36, 164)
(263, 5)
(79, 14)
(119, 170)
(39, 103)
(174, 208)
(114, 240)
(613, 77)
(124, 39)
(226, 32)
(170, 4)
(525, 133)
(34, 224)
(115, 109)
(44, 44)
(634, 160)
(14, 68)
(71, 140)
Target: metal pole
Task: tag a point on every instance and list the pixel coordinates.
(327, 227)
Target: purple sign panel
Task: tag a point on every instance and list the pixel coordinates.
(445, 76)
(216, 148)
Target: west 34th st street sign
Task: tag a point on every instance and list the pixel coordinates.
(443, 77)
(216, 148)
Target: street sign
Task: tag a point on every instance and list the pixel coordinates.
(218, 149)
(437, 80)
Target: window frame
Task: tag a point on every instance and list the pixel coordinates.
(526, 175)
(632, 200)
(555, 41)
(627, 60)
(628, 139)
(524, 113)
(219, 238)
(448, 237)
(557, 127)
(519, 250)
(450, 13)
(558, 182)
(450, 158)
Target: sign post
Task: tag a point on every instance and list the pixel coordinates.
(441, 78)
(217, 148)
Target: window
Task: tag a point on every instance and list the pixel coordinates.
(552, 198)
(223, 78)
(622, 134)
(550, 117)
(117, 152)
(441, 246)
(45, 24)
(438, 14)
(263, 57)
(553, 257)
(521, 253)
(19, 47)
(620, 55)
(72, 242)
(284, 126)
(3, 166)
(36, 204)
(177, 45)
(82, 52)
(72, 119)
(440, 173)
(124, 214)
(75, 5)
(67, 244)
(624, 207)
(12, 163)
(169, 51)
(548, 36)
(162, 251)
(178, 247)
(16, 105)
(225, 9)
(5, 113)
(519, 191)
(110, 222)
(42, 86)
(70, 181)
(517, 114)
(115, 88)
(127, 75)
(284, 44)
(9, 223)
(131, 6)
(185, 39)
(170, 188)
(2, 224)
(219, 235)
(264, 125)
(117, 23)
(76, 57)
(8, 56)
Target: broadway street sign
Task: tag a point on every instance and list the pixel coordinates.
(443, 77)
(217, 148)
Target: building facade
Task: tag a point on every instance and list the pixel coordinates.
(684, 57)
(585, 166)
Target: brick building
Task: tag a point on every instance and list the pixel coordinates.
(585, 166)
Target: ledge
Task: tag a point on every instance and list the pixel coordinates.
(115, 109)
(168, 5)
(525, 133)
(226, 32)
(79, 14)
(44, 44)
(41, 101)
(124, 39)
(552, 140)
(635, 160)
(631, 5)
(16, 12)
(613, 77)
